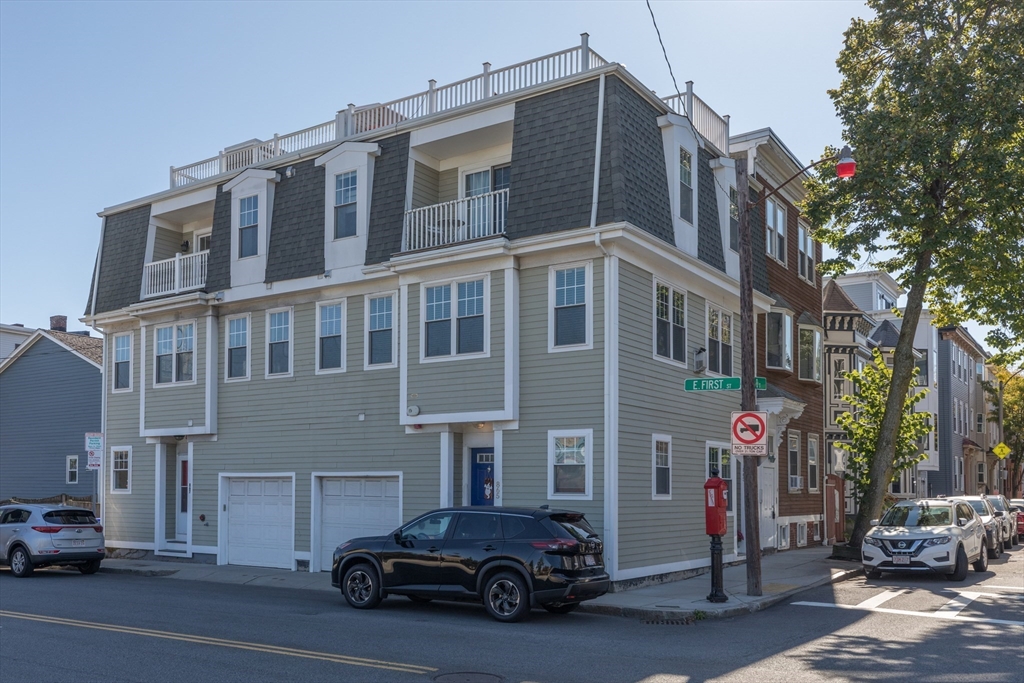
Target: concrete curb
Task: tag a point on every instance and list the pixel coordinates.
(712, 612)
(138, 571)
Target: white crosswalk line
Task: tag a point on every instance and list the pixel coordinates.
(909, 613)
(956, 605)
(880, 599)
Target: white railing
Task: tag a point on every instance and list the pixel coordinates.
(458, 221)
(358, 120)
(708, 123)
(175, 275)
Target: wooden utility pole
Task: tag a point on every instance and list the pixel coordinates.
(748, 371)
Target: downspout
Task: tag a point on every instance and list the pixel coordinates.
(597, 151)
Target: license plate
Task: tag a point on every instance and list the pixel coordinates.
(77, 543)
(901, 559)
(589, 560)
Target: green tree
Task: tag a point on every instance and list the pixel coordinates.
(932, 100)
(864, 423)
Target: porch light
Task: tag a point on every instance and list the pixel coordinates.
(846, 166)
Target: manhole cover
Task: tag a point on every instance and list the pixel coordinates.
(468, 677)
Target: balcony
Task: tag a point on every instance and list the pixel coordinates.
(174, 275)
(462, 220)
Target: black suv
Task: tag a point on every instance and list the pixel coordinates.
(511, 558)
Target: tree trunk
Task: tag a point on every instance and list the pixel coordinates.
(902, 374)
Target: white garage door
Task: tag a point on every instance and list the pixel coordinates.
(356, 506)
(260, 522)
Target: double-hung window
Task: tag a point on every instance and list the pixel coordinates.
(330, 349)
(380, 330)
(175, 348)
(812, 463)
(838, 379)
(570, 319)
(806, 255)
(779, 347)
(981, 423)
(810, 354)
(238, 348)
(685, 185)
(885, 302)
(248, 226)
(279, 341)
(795, 480)
(922, 371)
(661, 466)
(670, 323)
(775, 226)
(122, 362)
(467, 326)
(345, 195)
(719, 341)
(734, 220)
(71, 470)
(570, 464)
(121, 470)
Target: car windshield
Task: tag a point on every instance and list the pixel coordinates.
(979, 507)
(997, 503)
(917, 515)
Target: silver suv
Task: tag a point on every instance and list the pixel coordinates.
(49, 535)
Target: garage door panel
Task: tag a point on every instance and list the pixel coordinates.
(353, 507)
(260, 522)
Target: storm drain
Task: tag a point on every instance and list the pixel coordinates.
(468, 677)
(665, 622)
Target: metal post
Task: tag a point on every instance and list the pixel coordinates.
(584, 51)
(751, 509)
(716, 594)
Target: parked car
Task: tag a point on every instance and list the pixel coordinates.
(49, 535)
(993, 525)
(1018, 506)
(1007, 517)
(940, 535)
(511, 559)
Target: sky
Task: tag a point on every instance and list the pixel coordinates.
(99, 99)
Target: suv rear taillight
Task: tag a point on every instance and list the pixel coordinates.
(556, 545)
(98, 528)
(48, 529)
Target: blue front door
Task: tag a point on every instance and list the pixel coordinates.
(481, 476)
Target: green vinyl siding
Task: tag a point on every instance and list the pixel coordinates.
(166, 244)
(448, 186)
(424, 186)
(172, 405)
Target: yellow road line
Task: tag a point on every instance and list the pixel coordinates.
(221, 642)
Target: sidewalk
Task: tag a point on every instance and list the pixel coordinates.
(783, 575)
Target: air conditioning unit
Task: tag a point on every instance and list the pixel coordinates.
(796, 482)
(783, 537)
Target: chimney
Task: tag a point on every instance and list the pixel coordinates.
(59, 323)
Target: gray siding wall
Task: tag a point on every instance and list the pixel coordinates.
(174, 404)
(123, 256)
(558, 391)
(218, 267)
(387, 203)
(448, 186)
(166, 244)
(461, 385)
(709, 232)
(861, 295)
(49, 399)
(424, 186)
(652, 401)
(297, 230)
(951, 444)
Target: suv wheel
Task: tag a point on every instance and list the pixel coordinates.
(360, 587)
(561, 607)
(505, 597)
(1008, 543)
(960, 569)
(21, 563)
(981, 564)
(872, 573)
(994, 550)
(90, 567)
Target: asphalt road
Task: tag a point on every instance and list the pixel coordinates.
(62, 626)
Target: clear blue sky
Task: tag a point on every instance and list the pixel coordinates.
(99, 99)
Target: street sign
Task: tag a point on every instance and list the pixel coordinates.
(721, 384)
(94, 441)
(94, 460)
(1001, 451)
(749, 433)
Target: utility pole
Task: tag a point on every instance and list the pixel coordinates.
(748, 371)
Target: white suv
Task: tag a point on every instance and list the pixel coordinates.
(940, 535)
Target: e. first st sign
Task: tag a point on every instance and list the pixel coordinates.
(749, 433)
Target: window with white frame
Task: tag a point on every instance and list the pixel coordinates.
(345, 195)
(775, 229)
(121, 470)
(796, 482)
(71, 470)
(661, 466)
(838, 379)
(779, 347)
(175, 348)
(812, 462)
(467, 327)
(248, 226)
(685, 185)
(122, 362)
(810, 354)
(719, 457)
(203, 240)
(981, 423)
(734, 219)
(570, 464)
(380, 330)
(922, 371)
(885, 301)
(670, 323)
(719, 341)
(330, 343)
(570, 318)
(806, 255)
(279, 342)
(981, 473)
(238, 348)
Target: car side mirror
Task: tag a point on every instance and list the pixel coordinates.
(398, 536)
(962, 521)
(874, 522)
(998, 513)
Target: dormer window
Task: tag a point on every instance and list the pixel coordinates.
(775, 226)
(248, 226)
(779, 346)
(885, 302)
(685, 185)
(345, 196)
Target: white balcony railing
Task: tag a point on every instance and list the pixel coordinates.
(174, 275)
(708, 123)
(471, 218)
(358, 120)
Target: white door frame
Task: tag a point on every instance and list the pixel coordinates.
(181, 519)
(160, 546)
(316, 505)
(473, 440)
(222, 504)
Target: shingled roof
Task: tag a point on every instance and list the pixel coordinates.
(835, 299)
(887, 335)
(90, 347)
